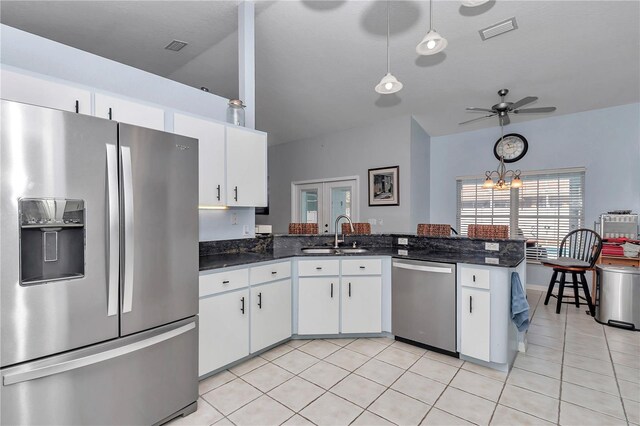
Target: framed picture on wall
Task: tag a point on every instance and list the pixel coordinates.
(384, 186)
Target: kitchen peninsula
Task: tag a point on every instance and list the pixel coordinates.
(267, 290)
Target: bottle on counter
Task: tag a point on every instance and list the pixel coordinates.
(235, 112)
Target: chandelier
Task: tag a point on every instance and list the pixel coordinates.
(502, 173)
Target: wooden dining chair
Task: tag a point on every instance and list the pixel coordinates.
(361, 228)
(433, 230)
(488, 231)
(578, 254)
(303, 228)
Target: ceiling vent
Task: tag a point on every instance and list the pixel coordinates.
(499, 28)
(176, 45)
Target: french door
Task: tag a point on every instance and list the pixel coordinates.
(323, 201)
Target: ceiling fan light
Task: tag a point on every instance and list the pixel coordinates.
(388, 84)
(473, 3)
(431, 44)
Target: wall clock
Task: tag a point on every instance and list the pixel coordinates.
(512, 147)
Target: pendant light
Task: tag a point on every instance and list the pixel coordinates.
(388, 84)
(433, 42)
(473, 3)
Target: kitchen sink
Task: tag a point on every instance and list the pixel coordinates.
(331, 250)
(319, 250)
(352, 250)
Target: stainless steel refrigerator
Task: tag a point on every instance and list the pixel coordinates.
(99, 270)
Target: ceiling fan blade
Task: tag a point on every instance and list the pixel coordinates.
(469, 121)
(541, 109)
(474, 109)
(504, 120)
(523, 102)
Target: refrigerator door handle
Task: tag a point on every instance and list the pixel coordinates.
(127, 184)
(38, 373)
(112, 198)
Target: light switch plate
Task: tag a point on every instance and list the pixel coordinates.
(492, 260)
(403, 241)
(492, 246)
(402, 252)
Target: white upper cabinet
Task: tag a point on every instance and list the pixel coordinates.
(36, 91)
(246, 167)
(211, 156)
(129, 112)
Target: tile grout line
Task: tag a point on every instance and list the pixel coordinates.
(615, 376)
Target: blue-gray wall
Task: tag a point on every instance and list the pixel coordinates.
(605, 141)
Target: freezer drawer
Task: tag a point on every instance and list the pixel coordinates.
(137, 380)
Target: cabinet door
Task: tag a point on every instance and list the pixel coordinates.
(36, 91)
(361, 304)
(211, 167)
(129, 112)
(270, 314)
(246, 168)
(224, 330)
(476, 323)
(318, 305)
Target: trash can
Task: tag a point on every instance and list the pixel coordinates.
(619, 297)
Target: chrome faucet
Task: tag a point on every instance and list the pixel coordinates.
(336, 241)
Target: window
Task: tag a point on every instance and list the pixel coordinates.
(549, 205)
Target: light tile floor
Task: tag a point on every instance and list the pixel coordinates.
(575, 372)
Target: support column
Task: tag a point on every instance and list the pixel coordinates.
(246, 60)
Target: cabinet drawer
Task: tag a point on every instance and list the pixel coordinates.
(361, 267)
(476, 278)
(272, 272)
(318, 267)
(218, 282)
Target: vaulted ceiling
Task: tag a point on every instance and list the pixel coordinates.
(318, 61)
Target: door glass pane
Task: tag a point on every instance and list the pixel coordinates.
(340, 203)
(309, 206)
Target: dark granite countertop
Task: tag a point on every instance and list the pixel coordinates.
(223, 260)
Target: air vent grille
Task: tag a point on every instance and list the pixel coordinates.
(176, 45)
(499, 28)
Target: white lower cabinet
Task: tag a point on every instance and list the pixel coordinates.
(318, 305)
(224, 330)
(270, 314)
(475, 330)
(361, 304)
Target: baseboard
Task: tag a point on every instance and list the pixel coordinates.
(537, 287)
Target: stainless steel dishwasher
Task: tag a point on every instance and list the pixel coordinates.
(423, 303)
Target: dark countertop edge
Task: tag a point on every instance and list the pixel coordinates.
(248, 258)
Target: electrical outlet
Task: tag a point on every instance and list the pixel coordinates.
(492, 260)
(381, 221)
(234, 218)
(373, 222)
(403, 241)
(402, 252)
(492, 246)
(245, 230)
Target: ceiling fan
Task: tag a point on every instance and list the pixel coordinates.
(503, 108)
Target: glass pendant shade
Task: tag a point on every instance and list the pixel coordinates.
(388, 84)
(431, 44)
(488, 183)
(473, 3)
(516, 182)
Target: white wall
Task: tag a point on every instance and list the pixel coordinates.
(348, 153)
(54, 61)
(605, 141)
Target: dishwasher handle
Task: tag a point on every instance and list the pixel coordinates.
(423, 268)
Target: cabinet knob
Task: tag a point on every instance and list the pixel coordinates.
(225, 282)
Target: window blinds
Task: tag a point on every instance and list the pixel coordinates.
(547, 207)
